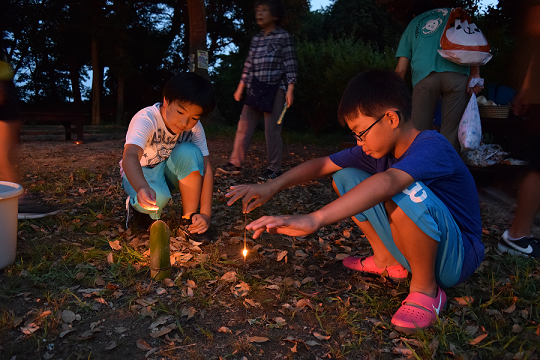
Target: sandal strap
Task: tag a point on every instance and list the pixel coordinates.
(425, 302)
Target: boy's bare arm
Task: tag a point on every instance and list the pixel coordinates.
(261, 193)
(133, 170)
(370, 192)
(402, 66)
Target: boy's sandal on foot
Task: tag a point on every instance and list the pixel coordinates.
(367, 265)
(207, 237)
(418, 311)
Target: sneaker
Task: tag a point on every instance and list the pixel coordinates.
(137, 220)
(30, 208)
(205, 238)
(269, 174)
(229, 168)
(525, 246)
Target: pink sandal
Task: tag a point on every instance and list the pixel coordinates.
(396, 272)
(410, 318)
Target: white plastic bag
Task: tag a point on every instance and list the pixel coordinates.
(470, 127)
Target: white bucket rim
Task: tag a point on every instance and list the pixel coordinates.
(15, 190)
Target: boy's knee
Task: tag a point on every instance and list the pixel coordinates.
(186, 153)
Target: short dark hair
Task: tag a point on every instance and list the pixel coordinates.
(371, 93)
(276, 7)
(190, 88)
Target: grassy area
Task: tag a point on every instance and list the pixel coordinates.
(80, 287)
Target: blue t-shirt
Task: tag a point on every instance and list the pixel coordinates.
(433, 161)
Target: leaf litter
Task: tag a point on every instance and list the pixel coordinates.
(298, 282)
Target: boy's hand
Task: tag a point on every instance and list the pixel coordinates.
(259, 193)
(147, 199)
(199, 223)
(295, 225)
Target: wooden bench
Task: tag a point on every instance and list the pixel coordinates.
(72, 122)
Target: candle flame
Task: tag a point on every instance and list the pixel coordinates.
(244, 252)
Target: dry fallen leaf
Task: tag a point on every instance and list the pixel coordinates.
(110, 258)
(143, 345)
(79, 275)
(516, 329)
(29, 329)
(281, 255)
(163, 331)
(320, 337)
(465, 300)
(241, 289)
(111, 345)
(510, 309)
(115, 245)
(68, 316)
(478, 339)
(252, 303)
(341, 256)
(225, 329)
(257, 339)
(229, 276)
(189, 312)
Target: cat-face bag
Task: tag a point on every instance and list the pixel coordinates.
(462, 42)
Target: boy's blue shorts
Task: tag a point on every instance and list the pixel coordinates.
(426, 211)
(185, 158)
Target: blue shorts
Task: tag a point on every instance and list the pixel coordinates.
(426, 211)
(185, 158)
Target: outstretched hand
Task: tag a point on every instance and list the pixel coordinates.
(291, 225)
(259, 193)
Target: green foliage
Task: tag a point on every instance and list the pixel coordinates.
(325, 68)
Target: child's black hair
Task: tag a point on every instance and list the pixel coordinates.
(276, 7)
(190, 88)
(371, 93)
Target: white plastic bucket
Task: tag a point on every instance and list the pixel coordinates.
(9, 204)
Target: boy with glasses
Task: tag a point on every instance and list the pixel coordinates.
(407, 190)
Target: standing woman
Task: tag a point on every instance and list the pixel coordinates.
(270, 72)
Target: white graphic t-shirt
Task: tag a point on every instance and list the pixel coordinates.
(148, 131)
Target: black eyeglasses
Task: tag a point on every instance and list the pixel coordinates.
(358, 137)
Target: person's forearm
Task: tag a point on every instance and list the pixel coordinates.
(310, 170)
(402, 66)
(207, 189)
(290, 88)
(475, 71)
(134, 174)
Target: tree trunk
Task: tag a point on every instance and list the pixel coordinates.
(96, 91)
(197, 41)
(75, 88)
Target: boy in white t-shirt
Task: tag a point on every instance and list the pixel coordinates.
(166, 151)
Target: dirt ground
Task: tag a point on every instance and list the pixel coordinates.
(208, 316)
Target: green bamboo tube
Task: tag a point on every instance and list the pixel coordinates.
(160, 261)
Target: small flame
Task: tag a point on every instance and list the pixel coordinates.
(244, 252)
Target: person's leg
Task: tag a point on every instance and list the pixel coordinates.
(9, 149)
(425, 97)
(184, 172)
(272, 132)
(420, 253)
(244, 133)
(156, 179)
(528, 203)
(422, 210)
(454, 99)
